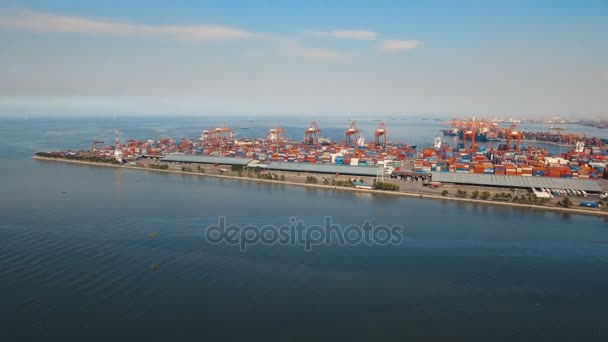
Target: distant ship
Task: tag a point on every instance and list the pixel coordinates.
(437, 142)
(479, 136)
(452, 132)
(491, 136)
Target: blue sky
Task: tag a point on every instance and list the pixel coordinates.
(513, 58)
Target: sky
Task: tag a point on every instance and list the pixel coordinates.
(293, 58)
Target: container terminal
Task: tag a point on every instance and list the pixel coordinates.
(578, 172)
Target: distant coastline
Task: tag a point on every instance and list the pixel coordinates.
(332, 187)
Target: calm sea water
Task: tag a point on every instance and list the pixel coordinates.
(75, 254)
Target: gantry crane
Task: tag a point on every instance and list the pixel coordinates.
(311, 134)
(275, 133)
(351, 134)
(219, 136)
(469, 133)
(221, 133)
(380, 135)
(97, 146)
(513, 133)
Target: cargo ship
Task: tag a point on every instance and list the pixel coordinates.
(452, 132)
(481, 136)
(483, 130)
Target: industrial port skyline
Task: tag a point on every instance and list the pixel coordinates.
(482, 148)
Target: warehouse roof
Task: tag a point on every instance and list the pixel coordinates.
(323, 168)
(206, 160)
(517, 181)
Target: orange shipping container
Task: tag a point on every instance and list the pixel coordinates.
(554, 173)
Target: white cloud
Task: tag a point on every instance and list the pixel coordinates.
(345, 34)
(320, 54)
(57, 23)
(399, 45)
(40, 22)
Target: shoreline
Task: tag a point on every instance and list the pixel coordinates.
(333, 187)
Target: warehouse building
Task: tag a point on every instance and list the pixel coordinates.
(516, 181)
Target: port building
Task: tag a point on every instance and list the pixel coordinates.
(275, 166)
(516, 181)
(176, 158)
(364, 171)
(488, 180)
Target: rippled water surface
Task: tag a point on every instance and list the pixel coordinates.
(76, 255)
